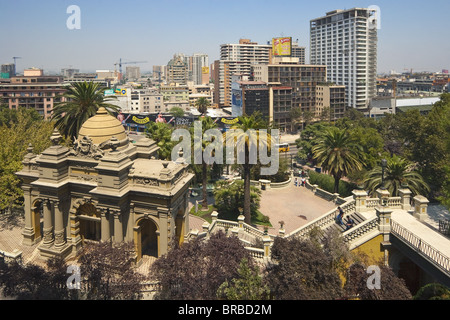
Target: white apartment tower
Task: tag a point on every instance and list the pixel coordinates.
(198, 63)
(346, 42)
(237, 59)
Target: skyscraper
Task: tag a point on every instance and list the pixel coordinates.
(178, 70)
(199, 63)
(237, 59)
(133, 73)
(346, 42)
(8, 70)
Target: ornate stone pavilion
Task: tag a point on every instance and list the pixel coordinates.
(105, 188)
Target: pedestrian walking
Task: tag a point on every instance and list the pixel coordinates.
(296, 182)
(340, 216)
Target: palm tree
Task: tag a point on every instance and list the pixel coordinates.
(207, 123)
(338, 153)
(245, 138)
(82, 100)
(398, 173)
(202, 105)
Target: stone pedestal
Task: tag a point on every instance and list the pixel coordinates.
(383, 195)
(360, 197)
(405, 195)
(420, 207)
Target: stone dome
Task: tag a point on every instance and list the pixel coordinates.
(102, 127)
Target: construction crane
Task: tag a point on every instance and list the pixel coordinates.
(120, 63)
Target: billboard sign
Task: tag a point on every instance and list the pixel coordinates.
(282, 47)
(120, 92)
(109, 92)
(205, 70)
(236, 103)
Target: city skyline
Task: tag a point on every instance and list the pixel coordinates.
(410, 36)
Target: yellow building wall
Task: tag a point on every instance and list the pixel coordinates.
(372, 249)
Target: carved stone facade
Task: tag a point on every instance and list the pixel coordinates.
(109, 190)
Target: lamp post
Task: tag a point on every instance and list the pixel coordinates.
(383, 167)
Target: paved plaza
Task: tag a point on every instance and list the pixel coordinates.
(296, 206)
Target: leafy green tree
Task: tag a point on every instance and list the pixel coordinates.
(338, 154)
(80, 102)
(398, 172)
(229, 199)
(20, 129)
(247, 286)
(202, 105)
(161, 133)
(433, 291)
(310, 137)
(177, 112)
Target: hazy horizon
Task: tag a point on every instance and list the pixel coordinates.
(411, 34)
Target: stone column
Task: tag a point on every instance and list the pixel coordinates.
(163, 232)
(241, 220)
(105, 232)
(214, 216)
(29, 234)
(59, 224)
(118, 231)
(267, 242)
(405, 195)
(384, 219)
(48, 225)
(420, 207)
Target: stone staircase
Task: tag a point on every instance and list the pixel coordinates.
(357, 218)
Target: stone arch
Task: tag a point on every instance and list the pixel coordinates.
(146, 237)
(36, 216)
(89, 222)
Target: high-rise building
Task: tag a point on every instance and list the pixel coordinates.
(68, 73)
(8, 70)
(177, 70)
(132, 73)
(237, 59)
(34, 90)
(298, 52)
(294, 81)
(346, 42)
(159, 74)
(199, 66)
(330, 101)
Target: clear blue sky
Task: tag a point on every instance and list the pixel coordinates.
(414, 34)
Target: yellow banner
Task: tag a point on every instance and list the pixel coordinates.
(233, 121)
(205, 70)
(141, 121)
